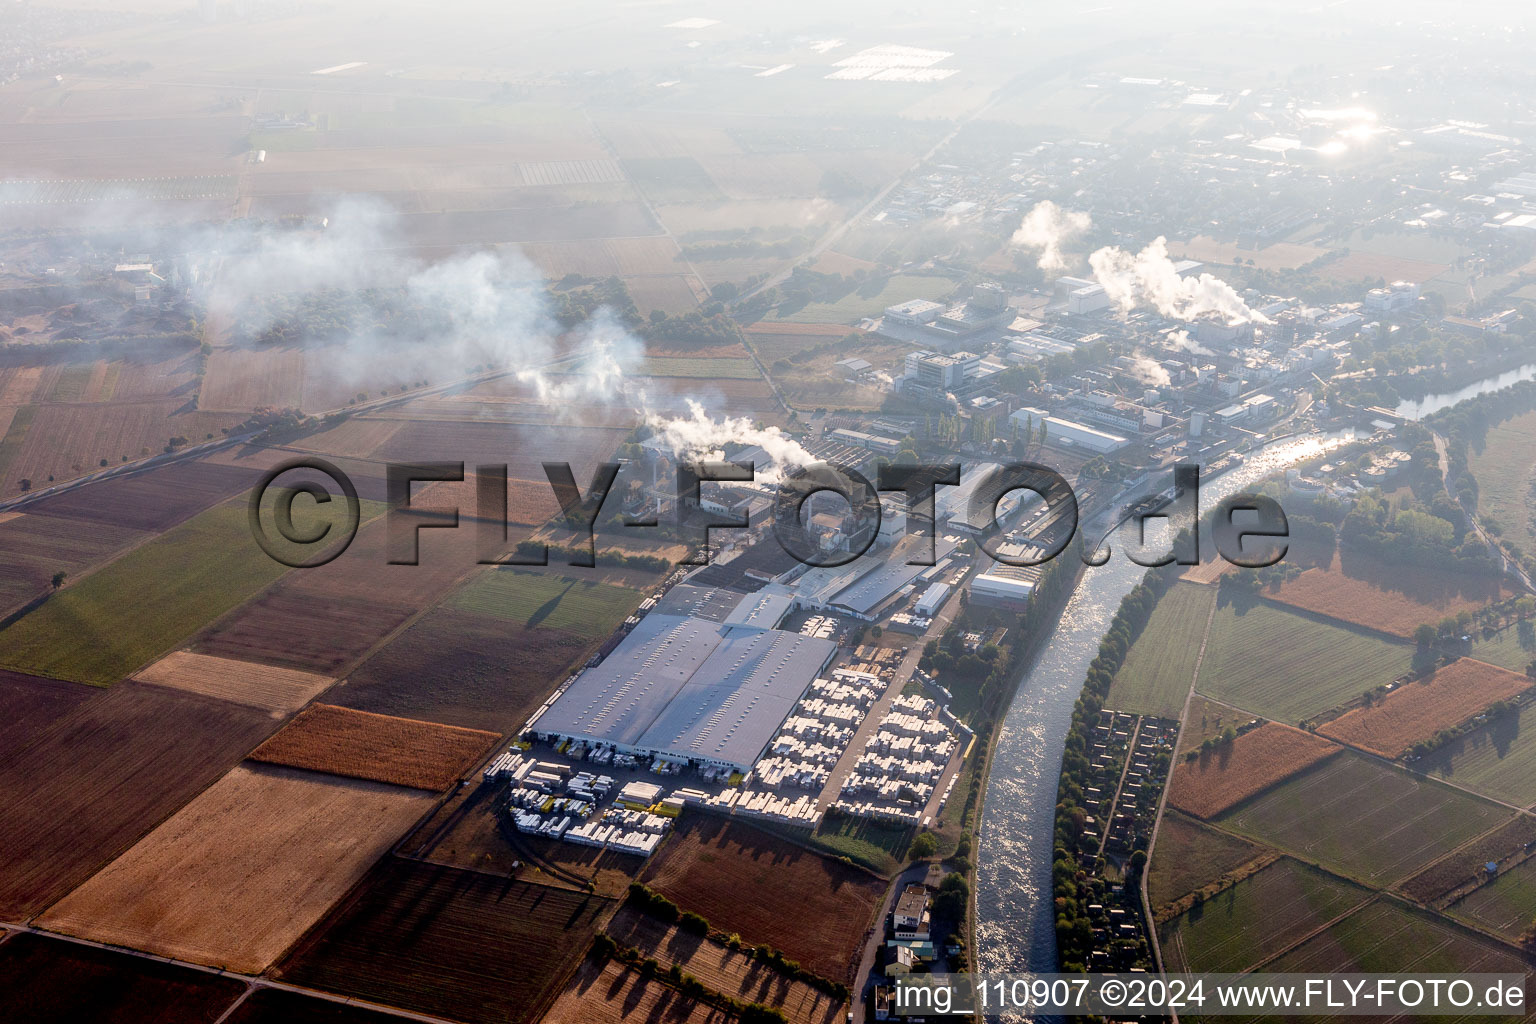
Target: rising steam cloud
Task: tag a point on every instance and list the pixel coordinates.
(1148, 278)
(1046, 228)
(698, 434)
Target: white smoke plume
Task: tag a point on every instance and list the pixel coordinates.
(1181, 341)
(698, 434)
(1047, 227)
(1148, 278)
(1148, 370)
(485, 309)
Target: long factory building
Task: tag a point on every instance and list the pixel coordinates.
(691, 690)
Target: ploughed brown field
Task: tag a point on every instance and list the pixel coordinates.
(382, 748)
(614, 993)
(94, 782)
(463, 668)
(1394, 599)
(733, 973)
(154, 500)
(235, 877)
(32, 704)
(34, 546)
(50, 981)
(1251, 764)
(814, 908)
(280, 1006)
(276, 690)
(457, 944)
(1417, 710)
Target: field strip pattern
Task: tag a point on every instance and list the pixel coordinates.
(571, 172)
(39, 191)
(277, 690)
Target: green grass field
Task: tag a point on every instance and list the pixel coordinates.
(855, 305)
(139, 607)
(1389, 937)
(1287, 667)
(1188, 856)
(1506, 906)
(1364, 820)
(1504, 650)
(1257, 918)
(1504, 470)
(725, 368)
(1157, 672)
(876, 846)
(1498, 761)
(558, 602)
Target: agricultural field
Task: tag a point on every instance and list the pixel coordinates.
(1505, 906)
(464, 669)
(34, 546)
(724, 369)
(1160, 666)
(1505, 470)
(1220, 779)
(32, 704)
(1278, 256)
(235, 877)
(426, 938)
(774, 340)
(356, 437)
(1367, 266)
(866, 301)
(813, 908)
(722, 970)
(280, 691)
(153, 500)
(1285, 666)
(1389, 937)
(68, 441)
(1189, 856)
(92, 783)
(1207, 719)
(50, 981)
(1417, 710)
(380, 748)
(613, 993)
(1363, 819)
(1498, 760)
(1257, 918)
(547, 601)
(670, 293)
(1468, 865)
(1394, 599)
(94, 631)
(279, 1006)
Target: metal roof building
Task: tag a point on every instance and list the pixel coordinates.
(690, 690)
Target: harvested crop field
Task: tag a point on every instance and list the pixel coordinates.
(1189, 856)
(1363, 819)
(91, 784)
(382, 748)
(613, 993)
(732, 973)
(1505, 906)
(1368, 266)
(245, 379)
(1225, 777)
(812, 907)
(1468, 865)
(278, 690)
(1285, 666)
(428, 938)
(1417, 710)
(1257, 918)
(51, 981)
(1393, 599)
(464, 669)
(235, 877)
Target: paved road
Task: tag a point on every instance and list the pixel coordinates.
(915, 873)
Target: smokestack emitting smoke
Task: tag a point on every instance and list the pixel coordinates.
(1181, 341)
(1148, 370)
(1046, 228)
(697, 435)
(1149, 278)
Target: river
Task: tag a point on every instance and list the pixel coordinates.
(1015, 928)
(1434, 403)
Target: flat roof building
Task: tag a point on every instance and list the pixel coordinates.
(690, 690)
